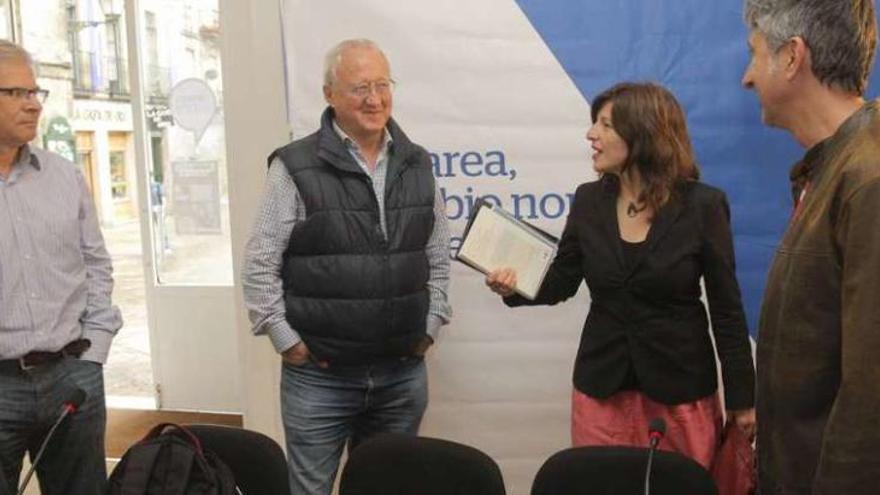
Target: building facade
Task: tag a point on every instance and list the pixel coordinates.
(80, 52)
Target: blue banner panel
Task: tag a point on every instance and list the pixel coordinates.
(698, 50)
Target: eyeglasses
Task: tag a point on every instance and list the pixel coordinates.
(382, 87)
(26, 93)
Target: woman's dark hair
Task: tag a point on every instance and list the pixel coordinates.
(652, 124)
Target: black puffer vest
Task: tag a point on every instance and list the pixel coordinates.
(354, 296)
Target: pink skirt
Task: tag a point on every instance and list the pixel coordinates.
(692, 429)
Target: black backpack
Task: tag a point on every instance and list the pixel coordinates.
(170, 460)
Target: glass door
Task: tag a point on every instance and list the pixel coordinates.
(181, 155)
(136, 100)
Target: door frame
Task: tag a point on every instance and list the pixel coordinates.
(193, 342)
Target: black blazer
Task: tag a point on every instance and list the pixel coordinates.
(650, 315)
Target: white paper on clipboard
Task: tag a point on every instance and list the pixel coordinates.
(496, 239)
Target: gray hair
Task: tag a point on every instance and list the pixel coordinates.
(334, 56)
(10, 52)
(841, 35)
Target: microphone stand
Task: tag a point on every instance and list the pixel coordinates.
(656, 431)
(68, 408)
(654, 442)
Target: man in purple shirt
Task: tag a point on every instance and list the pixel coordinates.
(56, 316)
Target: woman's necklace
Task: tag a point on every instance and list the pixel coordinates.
(632, 210)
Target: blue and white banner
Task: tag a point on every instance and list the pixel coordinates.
(499, 92)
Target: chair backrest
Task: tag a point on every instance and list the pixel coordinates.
(620, 471)
(170, 459)
(395, 464)
(256, 461)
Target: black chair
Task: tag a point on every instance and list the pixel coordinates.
(256, 461)
(620, 471)
(394, 464)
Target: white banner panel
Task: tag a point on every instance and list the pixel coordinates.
(481, 91)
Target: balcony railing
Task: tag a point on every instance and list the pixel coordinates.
(94, 74)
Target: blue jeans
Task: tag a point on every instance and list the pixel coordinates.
(322, 409)
(30, 402)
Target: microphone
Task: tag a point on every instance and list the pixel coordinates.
(68, 407)
(656, 431)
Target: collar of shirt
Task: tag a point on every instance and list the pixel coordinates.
(355, 150)
(814, 159)
(26, 161)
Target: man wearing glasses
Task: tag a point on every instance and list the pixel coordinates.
(347, 271)
(56, 318)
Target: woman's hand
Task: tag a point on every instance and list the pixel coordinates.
(745, 421)
(502, 281)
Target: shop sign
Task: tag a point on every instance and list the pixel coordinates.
(196, 197)
(59, 138)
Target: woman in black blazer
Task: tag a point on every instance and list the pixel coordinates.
(642, 237)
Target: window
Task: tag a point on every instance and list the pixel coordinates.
(158, 78)
(119, 170)
(189, 196)
(119, 184)
(84, 45)
(85, 159)
(116, 67)
(6, 19)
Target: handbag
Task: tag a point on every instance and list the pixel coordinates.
(733, 468)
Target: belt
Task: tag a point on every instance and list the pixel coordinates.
(34, 359)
